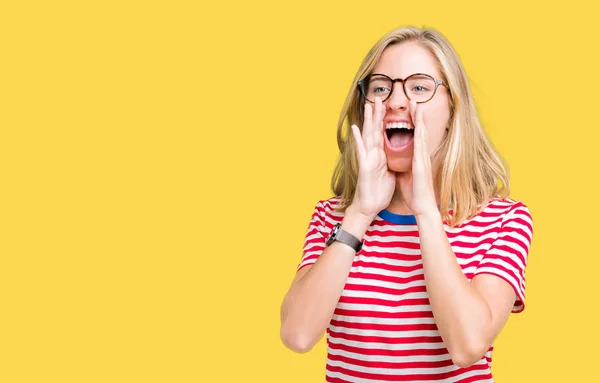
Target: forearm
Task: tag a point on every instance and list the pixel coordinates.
(309, 305)
(461, 314)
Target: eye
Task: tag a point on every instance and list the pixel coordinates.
(419, 88)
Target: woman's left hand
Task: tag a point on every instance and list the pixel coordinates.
(417, 185)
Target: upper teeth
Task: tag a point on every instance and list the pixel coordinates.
(396, 125)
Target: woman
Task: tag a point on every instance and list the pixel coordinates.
(415, 265)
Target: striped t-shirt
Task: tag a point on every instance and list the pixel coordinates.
(383, 329)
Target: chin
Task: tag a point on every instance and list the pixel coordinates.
(399, 162)
(399, 165)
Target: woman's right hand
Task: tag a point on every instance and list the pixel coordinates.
(376, 183)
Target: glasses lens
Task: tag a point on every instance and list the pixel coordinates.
(419, 87)
(378, 86)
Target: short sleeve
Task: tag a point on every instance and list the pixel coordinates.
(314, 241)
(507, 257)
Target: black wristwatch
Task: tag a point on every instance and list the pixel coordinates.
(337, 234)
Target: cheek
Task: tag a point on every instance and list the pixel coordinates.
(436, 123)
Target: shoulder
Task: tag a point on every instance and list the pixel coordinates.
(508, 211)
(497, 212)
(507, 207)
(327, 207)
(325, 212)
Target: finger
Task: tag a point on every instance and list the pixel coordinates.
(367, 126)
(422, 129)
(420, 156)
(378, 128)
(360, 148)
(417, 143)
(412, 106)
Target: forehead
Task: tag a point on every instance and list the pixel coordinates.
(402, 60)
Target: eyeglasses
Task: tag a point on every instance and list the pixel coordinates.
(419, 87)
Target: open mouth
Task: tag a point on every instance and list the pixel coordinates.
(399, 135)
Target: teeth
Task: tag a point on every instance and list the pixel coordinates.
(399, 125)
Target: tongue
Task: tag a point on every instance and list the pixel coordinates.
(400, 138)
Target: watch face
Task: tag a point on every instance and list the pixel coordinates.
(332, 235)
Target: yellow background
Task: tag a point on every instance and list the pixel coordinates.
(160, 161)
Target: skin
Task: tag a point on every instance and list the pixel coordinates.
(469, 316)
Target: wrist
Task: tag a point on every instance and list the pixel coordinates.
(429, 215)
(355, 222)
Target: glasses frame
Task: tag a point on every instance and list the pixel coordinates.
(361, 84)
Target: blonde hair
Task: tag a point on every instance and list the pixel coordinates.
(470, 174)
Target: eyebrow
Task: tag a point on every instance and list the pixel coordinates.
(420, 74)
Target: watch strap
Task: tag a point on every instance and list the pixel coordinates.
(347, 238)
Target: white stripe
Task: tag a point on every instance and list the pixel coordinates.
(354, 379)
(311, 253)
(374, 259)
(389, 371)
(310, 246)
(477, 239)
(392, 250)
(384, 272)
(391, 298)
(393, 238)
(387, 346)
(481, 248)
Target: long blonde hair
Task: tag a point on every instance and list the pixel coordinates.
(470, 174)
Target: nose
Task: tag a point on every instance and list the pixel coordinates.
(397, 99)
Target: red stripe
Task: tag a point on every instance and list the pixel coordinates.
(386, 290)
(387, 278)
(470, 245)
(479, 224)
(336, 380)
(381, 222)
(387, 352)
(475, 378)
(394, 245)
(386, 340)
(516, 241)
(470, 264)
(472, 234)
(383, 314)
(516, 278)
(391, 365)
(523, 222)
